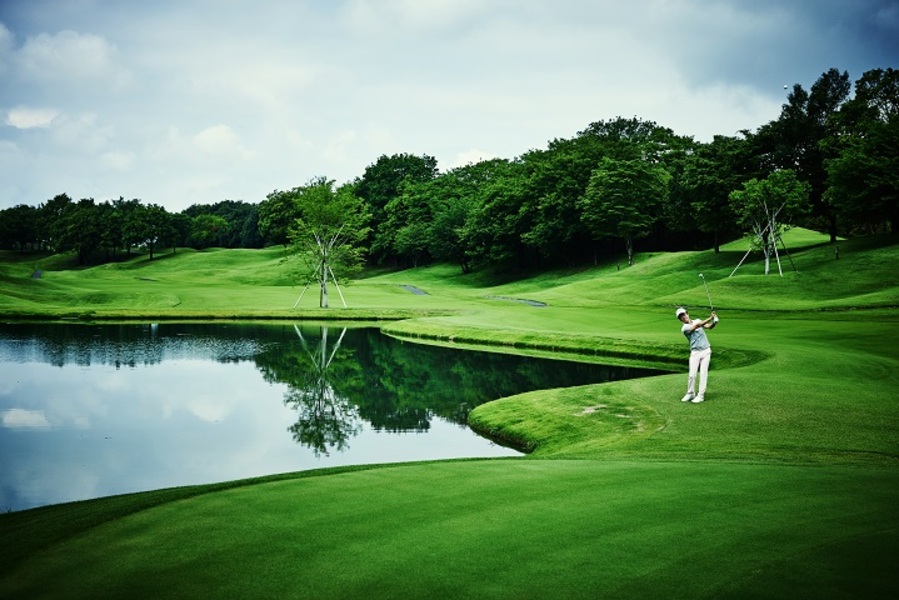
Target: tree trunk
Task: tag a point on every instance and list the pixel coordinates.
(629, 244)
(323, 280)
(766, 248)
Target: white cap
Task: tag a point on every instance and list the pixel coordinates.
(680, 311)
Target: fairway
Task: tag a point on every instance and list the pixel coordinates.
(500, 529)
(783, 484)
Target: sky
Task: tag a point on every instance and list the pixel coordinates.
(182, 102)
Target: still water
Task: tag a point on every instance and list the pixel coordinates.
(95, 410)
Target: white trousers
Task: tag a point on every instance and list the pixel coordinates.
(699, 361)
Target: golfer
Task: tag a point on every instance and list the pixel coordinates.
(700, 352)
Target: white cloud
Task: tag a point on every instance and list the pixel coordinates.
(216, 139)
(27, 117)
(20, 418)
(210, 410)
(71, 56)
(212, 147)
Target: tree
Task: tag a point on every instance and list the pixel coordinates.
(250, 236)
(276, 215)
(110, 229)
(78, 229)
(381, 183)
(412, 242)
(494, 228)
(553, 180)
(132, 214)
(206, 230)
(863, 185)
(798, 139)
(455, 197)
(328, 233)
(408, 217)
(49, 223)
(636, 139)
(155, 226)
(765, 206)
(18, 227)
(239, 225)
(709, 175)
(623, 200)
(181, 227)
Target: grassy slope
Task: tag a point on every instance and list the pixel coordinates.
(784, 484)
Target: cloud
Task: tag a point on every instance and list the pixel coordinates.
(20, 418)
(70, 56)
(27, 117)
(211, 410)
(218, 139)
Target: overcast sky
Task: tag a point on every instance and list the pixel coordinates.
(178, 102)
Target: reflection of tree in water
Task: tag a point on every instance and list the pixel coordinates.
(126, 345)
(326, 420)
(336, 381)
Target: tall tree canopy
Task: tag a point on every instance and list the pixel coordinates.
(623, 200)
(382, 182)
(862, 176)
(709, 175)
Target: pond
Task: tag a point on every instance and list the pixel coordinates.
(96, 410)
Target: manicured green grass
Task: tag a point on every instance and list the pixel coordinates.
(496, 529)
(784, 484)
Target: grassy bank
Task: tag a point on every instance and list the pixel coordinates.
(784, 483)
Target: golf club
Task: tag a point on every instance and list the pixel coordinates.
(712, 308)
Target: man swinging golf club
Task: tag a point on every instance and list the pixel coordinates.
(700, 352)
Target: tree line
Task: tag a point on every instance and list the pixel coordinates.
(829, 162)
(105, 231)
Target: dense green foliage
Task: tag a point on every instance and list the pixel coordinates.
(553, 206)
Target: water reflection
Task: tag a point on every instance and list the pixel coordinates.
(98, 410)
(326, 419)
